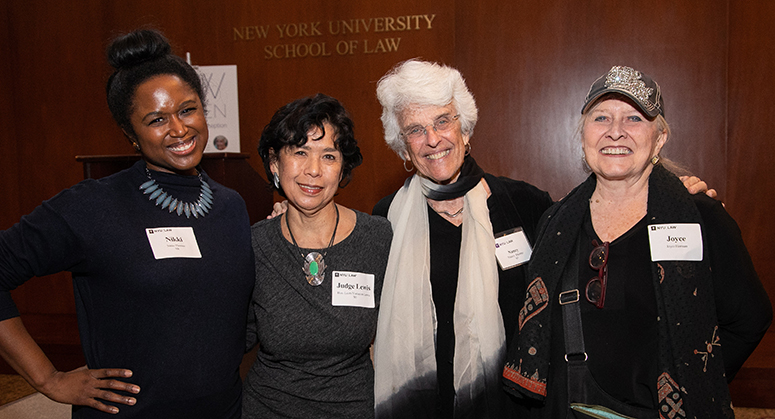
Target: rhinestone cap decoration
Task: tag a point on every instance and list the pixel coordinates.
(628, 79)
(631, 83)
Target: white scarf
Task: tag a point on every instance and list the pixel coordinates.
(404, 347)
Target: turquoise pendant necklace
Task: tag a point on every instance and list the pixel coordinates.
(314, 263)
(199, 208)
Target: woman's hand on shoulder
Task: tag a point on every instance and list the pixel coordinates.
(87, 387)
(695, 185)
(278, 208)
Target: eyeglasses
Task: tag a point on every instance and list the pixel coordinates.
(598, 260)
(442, 124)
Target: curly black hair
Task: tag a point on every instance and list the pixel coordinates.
(291, 123)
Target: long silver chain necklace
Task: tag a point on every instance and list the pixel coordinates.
(452, 215)
(314, 263)
(448, 214)
(199, 208)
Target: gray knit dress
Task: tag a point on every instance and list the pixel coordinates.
(313, 358)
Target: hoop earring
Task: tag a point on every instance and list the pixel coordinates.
(408, 169)
(468, 148)
(276, 181)
(655, 160)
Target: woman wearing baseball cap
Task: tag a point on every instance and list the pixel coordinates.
(642, 299)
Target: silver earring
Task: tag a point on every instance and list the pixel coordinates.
(468, 148)
(408, 169)
(276, 180)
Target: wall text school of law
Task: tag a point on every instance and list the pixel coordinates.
(325, 47)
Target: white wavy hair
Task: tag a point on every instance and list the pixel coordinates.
(422, 83)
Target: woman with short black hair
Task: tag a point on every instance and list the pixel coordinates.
(319, 273)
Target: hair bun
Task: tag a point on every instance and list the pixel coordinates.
(137, 47)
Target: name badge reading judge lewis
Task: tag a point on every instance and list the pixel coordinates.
(173, 242)
(675, 242)
(353, 289)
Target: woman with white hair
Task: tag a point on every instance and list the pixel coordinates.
(456, 276)
(447, 303)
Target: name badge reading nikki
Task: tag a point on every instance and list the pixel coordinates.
(675, 242)
(512, 248)
(352, 289)
(173, 242)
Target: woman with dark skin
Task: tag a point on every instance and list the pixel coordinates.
(160, 256)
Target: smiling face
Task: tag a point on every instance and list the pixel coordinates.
(619, 141)
(437, 156)
(310, 174)
(169, 124)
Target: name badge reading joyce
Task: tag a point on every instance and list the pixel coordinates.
(512, 248)
(352, 289)
(675, 242)
(173, 242)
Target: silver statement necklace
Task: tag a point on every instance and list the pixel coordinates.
(314, 263)
(199, 208)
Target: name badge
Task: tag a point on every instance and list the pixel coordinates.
(512, 248)
(173, 242)
(675, 242)
(352, 289)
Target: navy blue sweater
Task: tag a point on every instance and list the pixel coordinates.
(177, 323)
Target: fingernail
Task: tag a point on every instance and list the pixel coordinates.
(131, 400)
(114, 410)
(135, 389)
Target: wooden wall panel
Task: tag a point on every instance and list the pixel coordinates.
(265, 83)
(59, 71)
(9, 157)
(34, 157)
(59, 105)
(751, 180)
(53, 70)
(751, 150)
(530, 64)
(54, 115)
